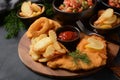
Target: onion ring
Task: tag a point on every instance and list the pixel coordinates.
(41, 26)
(54, 24)
(38, 27)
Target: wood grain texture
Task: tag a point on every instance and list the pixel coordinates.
(23, 51)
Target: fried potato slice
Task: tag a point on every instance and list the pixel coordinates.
(110, 20)
(108, 13)
(33, 54)
(50, 50)
(26, 9)
(107, 19)
(35, 14)
(22, 14)
(56, 45)
(36, 39)
(52, 35)
(105, 26)
(35, 7)
(42, 44)
(55, 49)
(29, 9)
(60, 48)
(43, 59)
(52, 53)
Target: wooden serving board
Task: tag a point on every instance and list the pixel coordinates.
(23, 51)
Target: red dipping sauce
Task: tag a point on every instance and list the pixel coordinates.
(68, 35)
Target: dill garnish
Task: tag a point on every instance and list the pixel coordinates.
(78, 55)
(12, 23)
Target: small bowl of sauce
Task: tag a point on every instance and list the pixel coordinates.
(69, 36)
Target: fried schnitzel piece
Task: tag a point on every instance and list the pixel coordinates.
(96, 56)
(65, 62)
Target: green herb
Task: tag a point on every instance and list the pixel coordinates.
(12, 23)
(77, 55)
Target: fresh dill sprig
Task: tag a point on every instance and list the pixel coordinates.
(12, 23)
(78, 55)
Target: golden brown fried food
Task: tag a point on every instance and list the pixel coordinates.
(26, 9)
(106, 19)
(46, 47)
(108, 13)
(97, 56)
(41, 26)
(64, 62)
(29, 9)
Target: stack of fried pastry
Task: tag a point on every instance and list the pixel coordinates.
(90, 52)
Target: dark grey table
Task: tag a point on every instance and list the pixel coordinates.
(11, 67)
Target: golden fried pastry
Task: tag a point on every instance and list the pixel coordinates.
(91, 51)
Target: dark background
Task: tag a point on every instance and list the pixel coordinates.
(11, 67)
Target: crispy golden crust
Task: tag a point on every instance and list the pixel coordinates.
(40, 26)
(54, 54)
(29, 9)
(97, 57)
(46, 47)
(64, 62)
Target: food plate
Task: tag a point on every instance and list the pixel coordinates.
(23, 51)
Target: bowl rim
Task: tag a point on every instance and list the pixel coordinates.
(43, 9)
(72, 27)
(91, 24)
(53, 4)
(104, 3)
